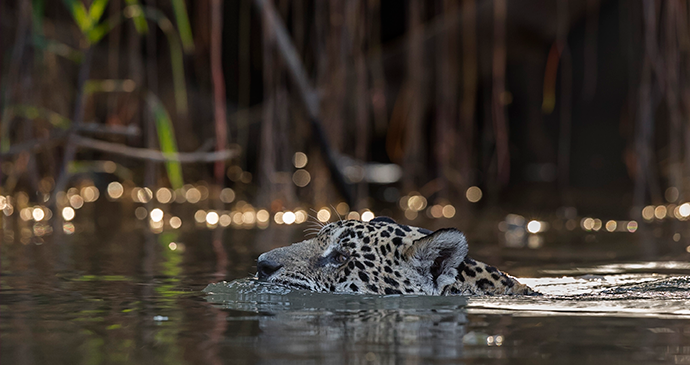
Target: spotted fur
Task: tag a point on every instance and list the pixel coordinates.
(383, 257)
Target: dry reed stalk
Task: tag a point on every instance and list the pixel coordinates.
(564, 139)
(244, 75)
(498, 114)
(589, 87)
(446, 153)
(362, 92)
(267, 149)
(469, 84)
(150, 133)
(218, 86)
(414, 85)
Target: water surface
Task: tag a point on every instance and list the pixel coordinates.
(124, 296)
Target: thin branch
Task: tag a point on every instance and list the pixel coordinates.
(37, 145)
(70, 148)
(309, 96)
(113, 130)
(40, 144)
(218, 79)
(34, 145)
(282, 39)
(153, 155)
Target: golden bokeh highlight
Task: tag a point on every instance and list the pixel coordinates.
(323, 215)
(212, 218)
(416, 203)
(684, 210)
(263, 216)
(278, 218)
(648, 213)
(660, 212)
(200, 216)
(68, 213)
(90, 194)
(76, 201)
(436, 211)
(156, 215)
(237, 218)
(300, 160)
(249, 217)
(301, 216)
(193, 195)
(227, 195)
(141, 213)
(473, 194)
(164, 195)
(587, 223)
(596, 225)
(225, 220)
(448, 211)
(289, 217)
(342, 208)
(611, 225)
(115, 190)
(175, 222)
(38, 214)
(301, 178)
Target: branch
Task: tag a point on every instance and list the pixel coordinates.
(309, 96)
(296, 70)
(39, 144)
(35, 145)
(121, 130)
(153, 155)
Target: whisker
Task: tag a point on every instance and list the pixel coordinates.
(340, 219)
(315, 220)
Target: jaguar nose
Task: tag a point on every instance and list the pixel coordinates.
(266, 268)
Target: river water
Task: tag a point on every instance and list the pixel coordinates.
(115, 293)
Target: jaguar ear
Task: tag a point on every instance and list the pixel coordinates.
(438, 255)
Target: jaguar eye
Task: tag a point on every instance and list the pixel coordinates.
(340, 258)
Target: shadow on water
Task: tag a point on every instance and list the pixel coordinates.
(123, 295)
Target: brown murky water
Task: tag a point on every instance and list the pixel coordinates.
(115, 293)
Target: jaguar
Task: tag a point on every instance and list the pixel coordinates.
(383, 257)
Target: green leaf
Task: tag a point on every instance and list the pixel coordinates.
(96, 10)
(137, 15)
(176, 59)
(166, 139)
(79, 13)
(183, 25)
(97, 33)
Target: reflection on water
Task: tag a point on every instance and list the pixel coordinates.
(612, 319)
(113, 292)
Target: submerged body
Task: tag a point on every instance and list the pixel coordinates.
(383, 257)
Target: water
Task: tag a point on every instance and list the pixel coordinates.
(122, 295)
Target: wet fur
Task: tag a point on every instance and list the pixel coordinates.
(383, 257)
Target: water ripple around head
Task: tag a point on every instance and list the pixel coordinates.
(252, 295)
(616, 294)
